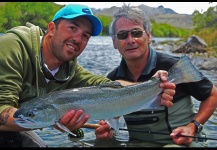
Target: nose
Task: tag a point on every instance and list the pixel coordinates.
(77, 37)
(130, 38)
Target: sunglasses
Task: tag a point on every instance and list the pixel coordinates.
(49, 75)
(122, 35)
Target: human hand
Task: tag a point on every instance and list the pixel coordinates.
(72, 121)
(183, 130)
(104, 131)
(168, 88)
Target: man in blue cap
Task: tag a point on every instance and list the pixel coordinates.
(34, 63)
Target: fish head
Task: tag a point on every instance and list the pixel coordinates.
(35, 116)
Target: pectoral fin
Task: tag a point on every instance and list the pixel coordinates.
(114, 123)
(65, 129)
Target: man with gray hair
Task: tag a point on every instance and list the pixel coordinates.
(131, 35)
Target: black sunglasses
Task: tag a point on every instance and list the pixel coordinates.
(122, 35)
(49, 75)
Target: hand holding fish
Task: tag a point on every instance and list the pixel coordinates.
(72, 120)
(169, 88)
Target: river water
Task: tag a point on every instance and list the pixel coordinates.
(100, 57)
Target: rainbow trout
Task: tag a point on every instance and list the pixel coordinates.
(105, 101)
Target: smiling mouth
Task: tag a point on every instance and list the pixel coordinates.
(131, 49)
(71, 47)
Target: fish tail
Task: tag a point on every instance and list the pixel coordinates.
(184, 71)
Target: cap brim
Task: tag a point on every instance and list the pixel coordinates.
(97, 25)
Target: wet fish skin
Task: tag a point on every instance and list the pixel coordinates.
(104, 101)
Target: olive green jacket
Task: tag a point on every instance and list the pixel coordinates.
(21, 76)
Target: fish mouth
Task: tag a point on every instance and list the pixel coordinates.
(24, 122)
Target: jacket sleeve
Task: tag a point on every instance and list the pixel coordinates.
(11, 65)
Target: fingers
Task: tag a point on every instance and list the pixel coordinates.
(73, 119)
(166, 99)
(64, 120)
(168, 85)
(166, 102)
(181, 131)
(104, 131)
(162, 74)
(168, 88)
(102, 122)
(168, 93)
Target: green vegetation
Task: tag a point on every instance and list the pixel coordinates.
(205, 26)
(18, 13)
(166, 30)
(41, 13)
(106, 22)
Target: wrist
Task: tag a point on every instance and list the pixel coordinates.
(198, 126)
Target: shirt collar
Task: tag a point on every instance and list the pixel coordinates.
(151, 64)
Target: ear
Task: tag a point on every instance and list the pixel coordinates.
(114, 44)
(149, 38)
(51, 28)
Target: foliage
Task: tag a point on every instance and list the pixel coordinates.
(205, 26)
(18, 13)
(166, 30)
(106, 20)
(210, 37)
(205, 20)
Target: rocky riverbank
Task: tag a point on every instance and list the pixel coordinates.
(194, 47)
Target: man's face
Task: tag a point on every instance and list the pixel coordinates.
(130, 43)
(70, 38)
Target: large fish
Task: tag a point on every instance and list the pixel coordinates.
(105, 101)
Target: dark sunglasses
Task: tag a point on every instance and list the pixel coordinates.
(49, 75)
(122, 35)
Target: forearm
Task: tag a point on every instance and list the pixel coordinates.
(207, 107)
(126, 83)
(7, 120)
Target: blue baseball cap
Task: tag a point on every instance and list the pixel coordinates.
(71, 11)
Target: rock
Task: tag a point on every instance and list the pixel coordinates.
(153, 43)
(159, 47)
(192, 45)
(209, 64)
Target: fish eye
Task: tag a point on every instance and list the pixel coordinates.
(30, 114)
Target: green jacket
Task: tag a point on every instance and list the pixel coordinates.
(21, 76)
